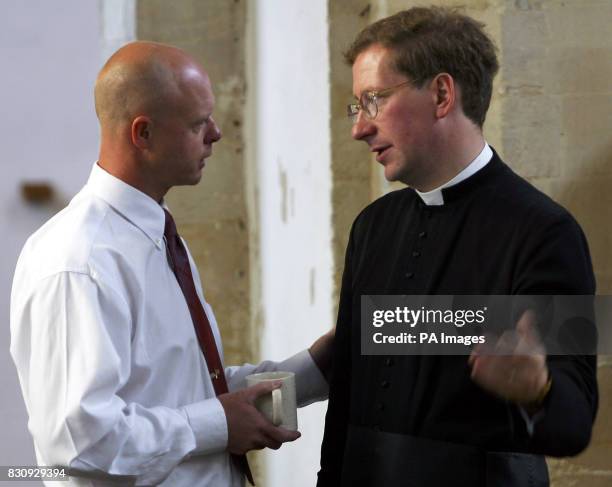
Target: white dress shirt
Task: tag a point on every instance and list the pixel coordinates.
(111, 371)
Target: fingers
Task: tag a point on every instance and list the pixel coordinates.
(526, 326)
(517, 378)
(530, 342)
(275, 436)
(477, 352)
(248, 428)
(282, 435)
(473, 356)
(493, 345)
(483, 366)
(513, 366)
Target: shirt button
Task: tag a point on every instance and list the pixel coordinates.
(385, 384)
(416, 253)
(380, 406)
(409, 275)
(389, 362)
(422, 234)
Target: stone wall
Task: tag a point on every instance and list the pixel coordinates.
(212, 216)
(351, 169)
(557, 114)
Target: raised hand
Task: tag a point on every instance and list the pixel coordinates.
(514, 368)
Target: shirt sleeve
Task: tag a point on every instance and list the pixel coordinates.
(71, 343)
(310, 384)
(530, 421)
(558, 263)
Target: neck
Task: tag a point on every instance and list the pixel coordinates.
(456, 150)
(127, 168)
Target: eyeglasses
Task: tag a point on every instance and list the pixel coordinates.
(368, 102)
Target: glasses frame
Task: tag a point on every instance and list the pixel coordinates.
(369, 100)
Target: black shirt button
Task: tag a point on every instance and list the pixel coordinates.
(380, 406)
(422, 234)
(389, 362)
(409, 275)
(385, 384)
(416, 253)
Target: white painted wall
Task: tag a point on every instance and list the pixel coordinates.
(290, 73)
(51, 52)
(118, 25)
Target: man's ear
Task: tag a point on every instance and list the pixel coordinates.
(141, 133)
(444, 92)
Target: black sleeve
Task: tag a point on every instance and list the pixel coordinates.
(559, 263)
(336, 419)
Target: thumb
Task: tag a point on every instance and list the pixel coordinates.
(527, 328)
(263, 388)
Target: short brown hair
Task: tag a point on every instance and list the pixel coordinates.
(433, 40)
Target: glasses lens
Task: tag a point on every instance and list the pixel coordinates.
(369, 105)
(352, 111)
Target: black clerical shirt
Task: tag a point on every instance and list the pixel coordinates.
(494, 234)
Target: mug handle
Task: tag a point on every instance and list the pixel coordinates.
(277, 407)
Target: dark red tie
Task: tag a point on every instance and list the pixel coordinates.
(179, 262)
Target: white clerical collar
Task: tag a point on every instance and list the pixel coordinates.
(435, 198)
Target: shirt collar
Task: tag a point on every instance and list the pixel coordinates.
(137, 207)
(435, 197)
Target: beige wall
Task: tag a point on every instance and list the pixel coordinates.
(212, 216)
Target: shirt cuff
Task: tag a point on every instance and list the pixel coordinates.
(310, 384)
(531, 421)
(209, 425)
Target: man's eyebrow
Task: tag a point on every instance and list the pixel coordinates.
(367, 90)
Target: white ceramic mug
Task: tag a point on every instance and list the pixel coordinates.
(280, 406)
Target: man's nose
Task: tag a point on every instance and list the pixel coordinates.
(213, 132)
(362, 127)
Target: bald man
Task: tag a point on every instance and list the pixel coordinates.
(108, 313)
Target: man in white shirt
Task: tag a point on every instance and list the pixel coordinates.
(115, 382)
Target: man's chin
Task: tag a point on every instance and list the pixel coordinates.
(393, 174)
(192, 180)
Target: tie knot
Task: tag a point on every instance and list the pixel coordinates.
(170, 226)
